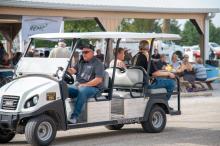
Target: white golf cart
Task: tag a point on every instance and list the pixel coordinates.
(36, 102)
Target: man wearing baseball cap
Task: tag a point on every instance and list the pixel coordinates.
(89, 74)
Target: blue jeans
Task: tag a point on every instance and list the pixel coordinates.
(169, 84)
(81, 94)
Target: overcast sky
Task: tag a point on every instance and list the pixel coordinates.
(215, 4)
(207, 3)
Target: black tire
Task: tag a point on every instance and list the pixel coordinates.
(35, 131)
(5, 137)
(114, 127)
(156, 121)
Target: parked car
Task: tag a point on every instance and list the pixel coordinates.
(216, 48)
(194, 51)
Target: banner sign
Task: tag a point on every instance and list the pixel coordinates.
(34, 25)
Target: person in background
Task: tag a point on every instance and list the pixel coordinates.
(174, 61)
(6, 64)
(186, 70)
(2, 53)
(6, 61)
(186, 66)
(99, 55)
(120, 59)
(161, 64)
(200, 71)
(156, 55)
(142, 57)
(128, 57)
(60, 51)
(211, 55)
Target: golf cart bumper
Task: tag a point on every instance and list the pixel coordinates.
(11, 120)
(8, 120)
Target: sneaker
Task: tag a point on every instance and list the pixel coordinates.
(72, 120)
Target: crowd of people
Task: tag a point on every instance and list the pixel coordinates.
(187, 71)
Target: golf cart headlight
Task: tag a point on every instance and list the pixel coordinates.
(35, 100)
(28, 104)
(32, 101)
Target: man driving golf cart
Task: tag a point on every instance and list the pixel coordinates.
(89, 75)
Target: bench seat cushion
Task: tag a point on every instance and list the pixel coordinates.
(157, 91)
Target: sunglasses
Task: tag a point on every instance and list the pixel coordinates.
(85, 52)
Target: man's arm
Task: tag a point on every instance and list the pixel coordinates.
(93, 82)
(163, 74)
(72, 70)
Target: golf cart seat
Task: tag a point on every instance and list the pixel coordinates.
(157, 91)
(103, 94)
(128, 83)
(131, 78)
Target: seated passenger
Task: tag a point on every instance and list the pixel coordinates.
(160, 81)
(120, 59)
(156, 56)
(99, 55)
(60, 51)
(186, 70)
(161, 64)
(89, 74)
(200, 71)
(174, 61)
(141, 58)
(186, 65)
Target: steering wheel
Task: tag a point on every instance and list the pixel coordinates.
(68, 78)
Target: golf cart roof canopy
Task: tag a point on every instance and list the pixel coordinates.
(110, 35)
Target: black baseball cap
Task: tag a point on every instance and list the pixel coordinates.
(89, 46)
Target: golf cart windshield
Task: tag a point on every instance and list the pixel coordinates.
(45, 57)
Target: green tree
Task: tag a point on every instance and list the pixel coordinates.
(214, 33)
(174, 27)
(217, 35)
(127, 26)
(81, 26)
(190, 36)
(140, 25)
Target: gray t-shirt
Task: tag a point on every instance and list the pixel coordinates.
(87, 71)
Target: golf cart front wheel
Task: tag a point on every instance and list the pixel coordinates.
(40, 131)
(156, 121)
(6, 136)
(114, 127)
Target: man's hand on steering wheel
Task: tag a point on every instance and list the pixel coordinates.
(68, 78)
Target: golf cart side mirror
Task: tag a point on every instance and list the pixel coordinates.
(59, 69)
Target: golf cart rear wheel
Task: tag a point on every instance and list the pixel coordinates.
(40, 131)
(114, 127)
(156, 121)
(6, 136)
